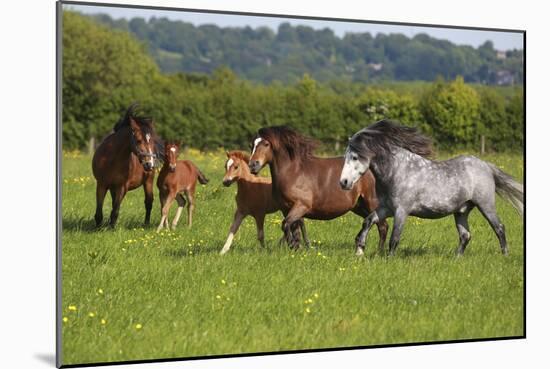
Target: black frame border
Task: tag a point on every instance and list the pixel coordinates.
(59, 154)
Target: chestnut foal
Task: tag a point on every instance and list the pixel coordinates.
(177, 180)
(254, 197)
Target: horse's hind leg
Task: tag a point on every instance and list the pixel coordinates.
(100, 193)
(461, 221)
(260, 228)
(181, 204)
(190, 207)
(490, 213)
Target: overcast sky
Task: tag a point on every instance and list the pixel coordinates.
(501, 40)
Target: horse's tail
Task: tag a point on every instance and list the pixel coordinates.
(508, 188)
(202, 178)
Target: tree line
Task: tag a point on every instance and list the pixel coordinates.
(263, 55)
(105, 69)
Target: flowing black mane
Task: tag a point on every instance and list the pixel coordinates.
(380, 136)
(145, 123)
(296, 145)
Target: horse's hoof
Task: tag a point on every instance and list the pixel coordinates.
(223, 252)
(359, 252)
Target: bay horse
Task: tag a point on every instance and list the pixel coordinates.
(124, 161)
(177, 180)
(409, 183)
(307, 186)
(254, 197)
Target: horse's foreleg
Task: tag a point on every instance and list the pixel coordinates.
(304, 233)
(260, 228)
(149, 198)
(294, 215)
(375, 217)
(117, 195)
(166, 202)
(181, 204)
(100, 193)
(237, 219)
(382, 233)
(398, 224)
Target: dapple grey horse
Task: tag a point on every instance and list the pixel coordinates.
(409, 183)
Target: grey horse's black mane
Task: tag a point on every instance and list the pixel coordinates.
(380, 136)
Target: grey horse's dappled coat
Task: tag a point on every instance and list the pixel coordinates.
(409, 183)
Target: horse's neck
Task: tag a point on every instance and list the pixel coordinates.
(122, 148)
(388, 167)
(278, 167)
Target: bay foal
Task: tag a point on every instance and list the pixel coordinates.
(177, 180)
(254, 197)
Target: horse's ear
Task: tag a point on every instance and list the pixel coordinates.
(228, 154)
(133, 124)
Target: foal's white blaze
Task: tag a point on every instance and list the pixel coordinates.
(256, 142)
(229, 163)
(173, 149)
(147, 137)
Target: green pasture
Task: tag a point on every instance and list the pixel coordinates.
(133, 294)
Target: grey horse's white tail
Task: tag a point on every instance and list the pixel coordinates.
(508, 188)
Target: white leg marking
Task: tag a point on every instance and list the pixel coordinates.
(227, 243)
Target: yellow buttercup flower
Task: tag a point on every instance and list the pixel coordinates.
(308, 310)
(72, 307)
(139, 326)
(103, 321)
(91, 315)
(65, 319)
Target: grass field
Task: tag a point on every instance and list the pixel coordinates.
(133, 294)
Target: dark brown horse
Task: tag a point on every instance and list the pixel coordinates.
(177, 180)
(254, 197)
(125, 161)
(308, 186)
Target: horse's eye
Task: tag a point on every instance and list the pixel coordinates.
(236, 167)
(266, 143)
(354, 158)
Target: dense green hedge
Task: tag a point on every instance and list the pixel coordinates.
(104, 71)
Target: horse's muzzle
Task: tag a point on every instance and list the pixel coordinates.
(148, 166)
(254, 166)
(227, 182)
(345, 184)
(172, 167)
